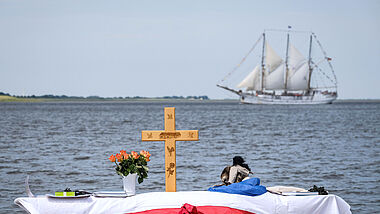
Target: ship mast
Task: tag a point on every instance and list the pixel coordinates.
(262, 64)
(286, 63)
(309, 62)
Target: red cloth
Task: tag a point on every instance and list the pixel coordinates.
(190, 209)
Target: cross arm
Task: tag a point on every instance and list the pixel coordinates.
(178, 135)
(151, 136)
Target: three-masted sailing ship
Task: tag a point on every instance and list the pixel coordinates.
(288, 79)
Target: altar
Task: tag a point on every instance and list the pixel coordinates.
(201, 202)
(171, 202)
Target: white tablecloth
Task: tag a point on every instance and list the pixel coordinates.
(266, 204)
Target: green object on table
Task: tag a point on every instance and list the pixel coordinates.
(64, 194)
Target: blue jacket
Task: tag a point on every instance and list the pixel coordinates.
(250, 187)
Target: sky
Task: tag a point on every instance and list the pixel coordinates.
(164, 48)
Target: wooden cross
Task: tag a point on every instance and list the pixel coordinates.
(170, 135)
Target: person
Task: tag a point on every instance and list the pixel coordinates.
(235, 173)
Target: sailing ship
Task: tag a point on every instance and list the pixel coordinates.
(292, 79)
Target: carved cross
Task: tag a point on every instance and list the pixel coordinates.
(170, 135)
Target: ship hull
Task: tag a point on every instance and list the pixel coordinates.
(319, 98)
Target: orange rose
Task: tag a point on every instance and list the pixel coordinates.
(119, 157)
(126, 156)
(123, 152)
(134, 155)
(145, 154)
(112, 158)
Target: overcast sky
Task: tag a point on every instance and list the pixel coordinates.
(156, 48)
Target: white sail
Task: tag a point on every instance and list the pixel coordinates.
(275, 80)
(252, 81)
(272, 60)
(298, 70)
(299, 80)
(295, 60)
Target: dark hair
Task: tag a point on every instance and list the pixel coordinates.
(238, 160)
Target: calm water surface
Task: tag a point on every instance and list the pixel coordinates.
(68, 144)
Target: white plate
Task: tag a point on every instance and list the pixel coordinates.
(118, 194)
(78, 196)
(299, 193)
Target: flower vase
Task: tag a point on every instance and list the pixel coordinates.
(129, 184)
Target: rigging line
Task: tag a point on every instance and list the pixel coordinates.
(321, 71)
(242, 61)
(325, 87)
(324, 52)
(327, 76)
(291, 31)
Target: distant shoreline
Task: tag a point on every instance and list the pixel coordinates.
(108, 100)
(159, 99)
(63, 98)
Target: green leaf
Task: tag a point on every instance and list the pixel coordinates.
(140, 180)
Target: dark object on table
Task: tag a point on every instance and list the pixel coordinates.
(78, 192)
(320, 190)
(67, 190)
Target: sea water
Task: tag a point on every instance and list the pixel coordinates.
(64, 144)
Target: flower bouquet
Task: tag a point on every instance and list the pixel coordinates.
(133, 163)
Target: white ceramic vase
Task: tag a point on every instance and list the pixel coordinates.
(129, 184)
